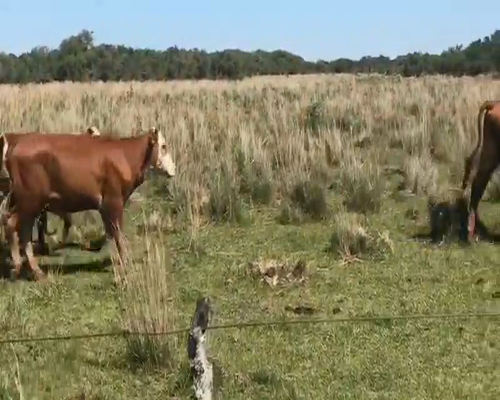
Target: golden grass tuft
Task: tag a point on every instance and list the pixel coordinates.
(421, 175)
(352, 239)
(361, 183)
(145, 300)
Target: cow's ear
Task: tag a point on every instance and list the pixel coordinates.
(153, 134)
(93, 131)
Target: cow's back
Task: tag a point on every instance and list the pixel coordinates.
(79, 169)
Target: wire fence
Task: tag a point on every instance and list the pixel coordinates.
(254, 324)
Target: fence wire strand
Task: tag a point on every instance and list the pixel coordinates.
(254, 324)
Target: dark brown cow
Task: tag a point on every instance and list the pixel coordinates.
(484, 159)
(64, 173)
(11, 139)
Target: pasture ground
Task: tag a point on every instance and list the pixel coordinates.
(332, 171)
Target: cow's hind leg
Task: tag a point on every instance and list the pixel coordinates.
(477, 191)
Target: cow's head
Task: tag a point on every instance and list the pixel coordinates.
(161, 159)
(4, 146)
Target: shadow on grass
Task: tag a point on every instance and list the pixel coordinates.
(94, 246)
(63, 259)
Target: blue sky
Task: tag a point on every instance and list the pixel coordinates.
(313, 28)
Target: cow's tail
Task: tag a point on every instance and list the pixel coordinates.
(476, 157)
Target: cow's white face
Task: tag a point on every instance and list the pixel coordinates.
(163, 161)
(3, 164)
(93, 131)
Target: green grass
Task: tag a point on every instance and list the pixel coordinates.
(426, 359)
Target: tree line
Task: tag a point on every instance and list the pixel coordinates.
(78, 59)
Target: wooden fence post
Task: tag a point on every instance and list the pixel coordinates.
(201, 367)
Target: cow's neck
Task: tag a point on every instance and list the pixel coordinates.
(138, 153)
(146, 163)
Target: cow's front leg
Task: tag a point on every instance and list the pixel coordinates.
(477, 190)
(12, 233)
(26, 228)
(112, 218)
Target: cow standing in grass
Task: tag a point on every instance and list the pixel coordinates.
(11, 139)
(64, 173)
(482, 162)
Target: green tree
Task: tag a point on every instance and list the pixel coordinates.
(77, 58)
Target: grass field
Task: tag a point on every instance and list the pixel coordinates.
(334, 172)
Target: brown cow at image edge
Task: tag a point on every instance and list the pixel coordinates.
(483, 160)
(64, 173)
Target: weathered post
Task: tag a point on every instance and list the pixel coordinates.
(201, 368)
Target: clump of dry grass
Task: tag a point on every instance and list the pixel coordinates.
(146, 303)
(310, 197)
(420, 175)
(290, 214)
(351, 238)
(225, 202)
(361, 183)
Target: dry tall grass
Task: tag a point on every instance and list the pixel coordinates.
(145, 301)
(257, 139)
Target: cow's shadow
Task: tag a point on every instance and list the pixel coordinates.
(92, 245)
(62, 259)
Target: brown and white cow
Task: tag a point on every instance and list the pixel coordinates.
(483, 160)
(11, 139)
(65, 173)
